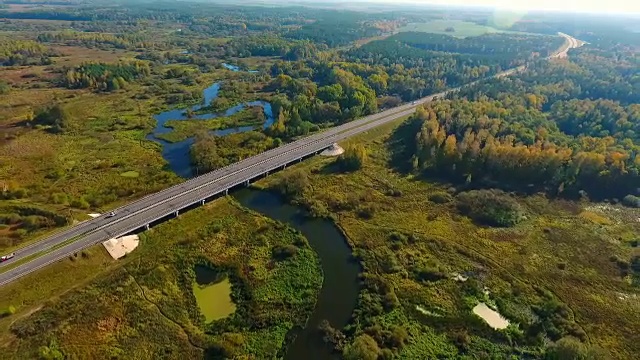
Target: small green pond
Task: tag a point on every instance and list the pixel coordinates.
(213, 295)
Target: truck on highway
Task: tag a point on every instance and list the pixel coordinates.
(7, 257)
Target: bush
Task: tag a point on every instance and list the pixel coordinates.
(283, 252)
(440, 198)
(364, 347)
(8, 311)
(490, 207)
(294, 184)
(570, 348)
(631, 201)
(80, 203)
(353, 158)
(366, 211)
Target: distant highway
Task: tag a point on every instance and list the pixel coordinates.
(142, 212)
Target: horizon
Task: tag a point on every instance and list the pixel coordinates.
(612, 7)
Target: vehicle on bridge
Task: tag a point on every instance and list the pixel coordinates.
(7, 257)
(111, 214)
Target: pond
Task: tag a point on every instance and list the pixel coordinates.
(340, 286)
(492, 317)
(213, 294)
(237, 68)
(177, 153)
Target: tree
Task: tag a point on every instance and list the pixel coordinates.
(364, 347)
(570, 348)
(294, 184)
(4, 88)
(54, 116)
(353, 158)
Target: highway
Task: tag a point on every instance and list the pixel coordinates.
(142, 212)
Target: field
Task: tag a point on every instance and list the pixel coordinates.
(564, 258)
(100, 160)
(461, 28)
(144, 304)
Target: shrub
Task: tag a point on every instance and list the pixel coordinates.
(570, 348)
(283, 252)
(294, 184)
(440, 198)
(631, 201)
(398, 237)
(353, 158)
(8, 311)
(80, 203)
(366, 211)
(490, 207)
(364, 347)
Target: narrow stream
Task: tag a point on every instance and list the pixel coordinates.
(340, 287)
(177, 153)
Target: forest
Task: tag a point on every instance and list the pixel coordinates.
(518, 193)
(106, 77)
(551, 129)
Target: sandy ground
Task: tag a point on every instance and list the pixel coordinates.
(94, 215)
(334, 150)
(492, 317)
(120, 247)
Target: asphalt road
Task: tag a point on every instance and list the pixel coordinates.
(166, 202)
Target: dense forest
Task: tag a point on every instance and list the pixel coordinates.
(106, 77)
(567, 127)
(93, 93)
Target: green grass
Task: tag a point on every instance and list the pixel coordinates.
(559, 254)
(130, 174)
(19, 262)
(214, 300)
(462, 28)
(145, 303)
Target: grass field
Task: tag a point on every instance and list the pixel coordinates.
(144, 305)
(462, 28)
(563, 257)
(101, 159)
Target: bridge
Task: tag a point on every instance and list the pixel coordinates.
(142, 213)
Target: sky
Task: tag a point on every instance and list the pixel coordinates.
(594, 6)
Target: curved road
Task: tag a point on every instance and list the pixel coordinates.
(152, 207)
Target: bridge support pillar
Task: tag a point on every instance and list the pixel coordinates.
(284, 166)
(246, 183)
(300, 160)
(267, 173)
(202, 202)
(177, 213)
(226, 191)
(146, 227)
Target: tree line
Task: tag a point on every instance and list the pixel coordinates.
(105, 77)
(565, 126)
(24, 52)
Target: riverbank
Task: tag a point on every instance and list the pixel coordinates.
(413, 244)
(339, 293)
(150, 295)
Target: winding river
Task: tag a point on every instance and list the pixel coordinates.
(340, 287)
(339, 293)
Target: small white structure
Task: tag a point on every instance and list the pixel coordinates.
(94, 215)
(120, 247)
(333, 150)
